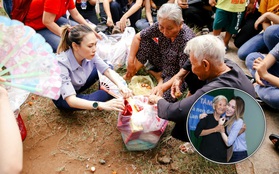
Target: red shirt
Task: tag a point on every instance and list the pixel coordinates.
(37, 7)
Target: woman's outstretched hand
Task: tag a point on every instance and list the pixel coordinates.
(113, 105)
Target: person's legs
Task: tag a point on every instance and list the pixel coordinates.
(52, 38)
(116, 11)
(237, 156)
(271, 36)
(135, 17)
(193, 17)
(142, 24)
(90, 15)
(149, 51)
(255, 44)
(93, 77)
(247, 30)
(8, 6)
(219, 22)
(196, 15)
(269, 95)
(227, 38)
(233, 27)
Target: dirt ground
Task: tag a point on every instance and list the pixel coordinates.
(73, 142)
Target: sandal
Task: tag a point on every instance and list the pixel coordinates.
(205, 31)
(275, 140)
(186, 148)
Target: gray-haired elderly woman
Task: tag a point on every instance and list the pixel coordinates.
(161, 45)
(209, 128)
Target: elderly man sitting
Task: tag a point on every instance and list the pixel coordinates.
(207, 60)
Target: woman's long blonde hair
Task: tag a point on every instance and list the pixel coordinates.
(239, 111)
(72, 34)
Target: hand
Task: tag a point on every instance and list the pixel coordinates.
(131, 70)
(243, 129)
(122, 24)
(212, 2)
(182, 4)
(126, 92)
(110, 22)
(261, 70)
(175, 88)
(203, 115)
(113, 105)
(153, 99)
(158, 90)
(222, 121)
(219, 128)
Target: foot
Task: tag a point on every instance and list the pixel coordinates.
(205, 31)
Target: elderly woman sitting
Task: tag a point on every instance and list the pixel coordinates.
(160, 47)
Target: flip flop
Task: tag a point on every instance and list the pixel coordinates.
(186, 148)
(275, 140)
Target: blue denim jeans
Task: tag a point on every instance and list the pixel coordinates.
(143, 23)
(52, 38)
(268, 93)
(262, 42)
(99, 95)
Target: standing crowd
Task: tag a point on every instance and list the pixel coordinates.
(167, 46)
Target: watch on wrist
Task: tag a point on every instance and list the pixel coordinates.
(95, 105)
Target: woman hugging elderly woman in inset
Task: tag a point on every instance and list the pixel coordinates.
(218, 132)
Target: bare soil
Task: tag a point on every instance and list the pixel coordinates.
(73, 142)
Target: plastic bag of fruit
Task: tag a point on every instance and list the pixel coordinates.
(139, 124)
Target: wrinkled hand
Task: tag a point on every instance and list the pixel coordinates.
(126, 92)
(153, 99)
(222, 121)
(175, 88)
(131, 71)
(219, 128)
(158, 90)
(203, 115)
(261, 70)
(113, 105)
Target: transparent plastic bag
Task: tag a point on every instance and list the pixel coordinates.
(116, 47)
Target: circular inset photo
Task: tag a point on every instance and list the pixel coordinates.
(226, 125)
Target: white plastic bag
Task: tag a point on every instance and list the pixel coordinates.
(139, 124)
(115, 48)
